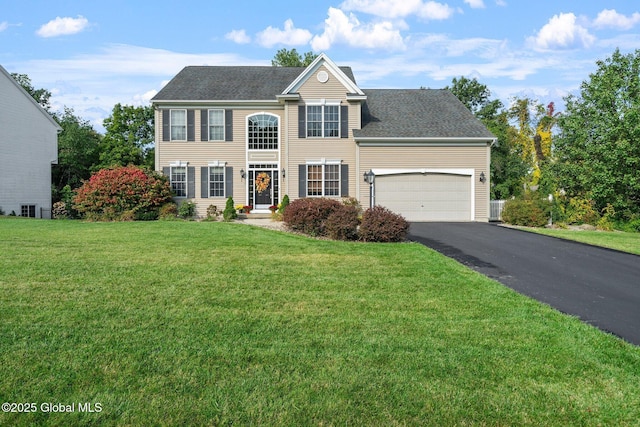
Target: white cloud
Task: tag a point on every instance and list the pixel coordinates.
(290, 36)
(562, 32)
(400, 8)
(63, 27)
(3, 26)
(238, 36)
(501, 3)
(609, 18)
(342, 29)
(475, 4)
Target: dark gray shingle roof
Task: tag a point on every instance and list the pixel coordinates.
(417, 113)
(223, 83)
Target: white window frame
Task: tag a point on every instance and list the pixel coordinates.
(172, 125)
(323, 104)
(324, 188)
(217, 165)
(277, 137)
(184, 165)
(220, 125)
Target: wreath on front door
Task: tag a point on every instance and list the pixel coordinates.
(262, 182)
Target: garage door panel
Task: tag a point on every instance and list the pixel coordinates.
(426, 197)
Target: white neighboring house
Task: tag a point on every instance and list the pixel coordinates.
(28, 148)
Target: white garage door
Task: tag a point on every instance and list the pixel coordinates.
(426, 197)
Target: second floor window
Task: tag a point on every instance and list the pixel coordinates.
(216, 125)
(323, 121)
(178, 125)
(262, 130)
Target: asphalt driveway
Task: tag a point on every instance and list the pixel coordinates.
(600, 286)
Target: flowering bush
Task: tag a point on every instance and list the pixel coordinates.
(122, 193)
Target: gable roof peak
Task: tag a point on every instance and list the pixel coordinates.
(321, 60)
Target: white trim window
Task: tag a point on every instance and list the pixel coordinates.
(216, 180)
(323, 120)
(216, 125)
(178, 125)
(262, 131)
(178, 179)
(323, 180)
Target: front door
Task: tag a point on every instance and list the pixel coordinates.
(263, 189)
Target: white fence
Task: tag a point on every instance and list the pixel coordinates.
(495, 210)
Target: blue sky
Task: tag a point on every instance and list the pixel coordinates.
(94, 54)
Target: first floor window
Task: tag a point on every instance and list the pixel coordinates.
(179, 180)
(323, 180)
(28, 211)
(178, 125)
(216, 181)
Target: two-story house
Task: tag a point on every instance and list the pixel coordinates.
(28, 148)
(258, 133)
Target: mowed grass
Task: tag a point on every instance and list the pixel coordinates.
(186, 323)
(621, 241)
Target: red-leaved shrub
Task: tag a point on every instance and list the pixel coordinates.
(381, 225)
(122, 193)
(343, 223)
(309, 215)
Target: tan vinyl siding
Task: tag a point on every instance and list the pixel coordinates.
(452, 157)
(331, 89)
(198, 154)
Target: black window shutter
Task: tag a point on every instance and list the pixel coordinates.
(302, 121)
(344, 180)
(191, 125)
(191, 181)
(228, 125)
(204, 182)
(344, 121)
(166, 171)
(166, 125)
(204, 125)
(302, 181)
(228, 181)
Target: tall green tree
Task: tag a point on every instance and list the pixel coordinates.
(128, 139)
(291, 58)
(598, 146)
(507, 167)
(42, 96)
(78, 152)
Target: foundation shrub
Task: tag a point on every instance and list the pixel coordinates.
(379, 224)
(342, 224)
(229, 213)
(309, 215)
(168, 211)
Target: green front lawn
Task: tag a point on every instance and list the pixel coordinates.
(187, 323)
(625, 242)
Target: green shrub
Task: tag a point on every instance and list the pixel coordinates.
(283, 204)
(229, 213)
(122, 193)
(581, 211)
(187, 209)
(342, 224)
(309, 215)
(528, 213)
(168, 211)
(381, 225)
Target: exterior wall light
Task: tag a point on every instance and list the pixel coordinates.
(483, 178)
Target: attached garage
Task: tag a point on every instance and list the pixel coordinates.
(427, 195)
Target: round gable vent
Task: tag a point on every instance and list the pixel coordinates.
(323, 76)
